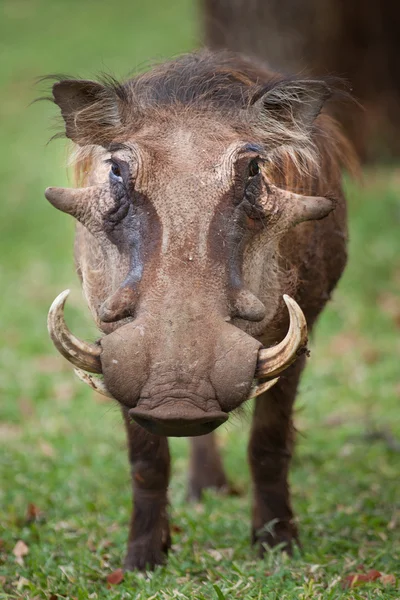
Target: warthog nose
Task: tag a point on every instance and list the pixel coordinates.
(179, 420)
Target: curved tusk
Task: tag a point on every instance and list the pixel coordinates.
(81, 354)
(260, 388)
(271, 361)
(95, 383)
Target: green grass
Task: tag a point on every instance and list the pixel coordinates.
(63, 449)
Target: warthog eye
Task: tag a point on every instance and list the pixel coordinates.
(254, 168)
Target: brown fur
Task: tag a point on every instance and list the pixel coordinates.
(184, 266)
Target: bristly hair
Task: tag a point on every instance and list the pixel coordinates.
(221, 85)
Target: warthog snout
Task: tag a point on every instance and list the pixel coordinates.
(178, 388)
(182, 386)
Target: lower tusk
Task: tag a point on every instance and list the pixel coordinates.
(95, 383)
(260, 388)
(82, 354)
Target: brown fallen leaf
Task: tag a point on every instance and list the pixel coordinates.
(389, 579)
(33, 513)
(20, 550)
(390, 305)
(356, 579)
(26, 406)
(46, 449)
(373, 574)
(371, 355)
(115, 577)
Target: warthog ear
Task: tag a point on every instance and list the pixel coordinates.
(91, 111)
(287, 110)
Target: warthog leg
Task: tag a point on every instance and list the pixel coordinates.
(270, 451)
(149, 536)
(206, 469)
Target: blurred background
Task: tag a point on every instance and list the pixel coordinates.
(64, 480)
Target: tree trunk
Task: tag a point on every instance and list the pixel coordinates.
(358, 40)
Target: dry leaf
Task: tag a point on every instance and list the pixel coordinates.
(26, 406)
(389, 579)
(33, 513)
(373, 574)
(390, 305)
(371, 355)
(216, 554)
(20, 550)
(356, 579)
(220, 553)
(46, 449)
(115, 577)
(22, 582)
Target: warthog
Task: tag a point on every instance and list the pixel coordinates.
(210, 187)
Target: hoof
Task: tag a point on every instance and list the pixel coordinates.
(195, 492)
(146, 555)
(281, 534)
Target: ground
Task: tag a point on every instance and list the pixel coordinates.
(65, 491)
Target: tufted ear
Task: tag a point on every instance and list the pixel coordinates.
(92, 112)
(287, 110)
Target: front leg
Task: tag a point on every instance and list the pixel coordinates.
(270, 451)
(149, 536)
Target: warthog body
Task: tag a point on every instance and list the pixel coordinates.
(188, 236)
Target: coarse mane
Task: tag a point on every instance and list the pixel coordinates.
(220, 85)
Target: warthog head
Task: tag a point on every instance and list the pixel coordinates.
(179, 223)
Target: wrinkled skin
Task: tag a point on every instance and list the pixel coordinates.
(184, 248)
(183, 302)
